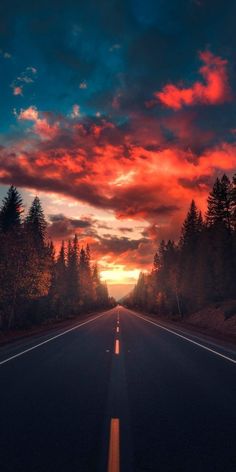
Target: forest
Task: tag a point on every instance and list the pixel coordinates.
(36, 285)
(200, 268)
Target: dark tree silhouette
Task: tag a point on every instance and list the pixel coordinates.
(201, 268)
(35, 285)
(36, 224)
(11, 211)
(219, 203)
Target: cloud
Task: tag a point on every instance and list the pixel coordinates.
(26, 77)
(146, 169)
(214, 90)
(42, 126)
(123, 251)
(31, 69)
(115, 47)
(124, 229)
(62, 227)
(83, 85)
(116, 245)
(18, 91)
(5, 54)
(29, 114)
(75, 111)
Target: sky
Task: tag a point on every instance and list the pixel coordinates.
(117, 113)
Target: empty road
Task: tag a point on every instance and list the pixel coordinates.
(117, 392)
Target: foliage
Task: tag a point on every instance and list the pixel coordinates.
(201, 268)
(35, 285)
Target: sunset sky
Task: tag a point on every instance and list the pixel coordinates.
(116, 114)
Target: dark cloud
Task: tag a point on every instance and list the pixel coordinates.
(202, 182)
(118, 246)
(125, 229)
(60, 226)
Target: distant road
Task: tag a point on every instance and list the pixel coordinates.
(118, 392)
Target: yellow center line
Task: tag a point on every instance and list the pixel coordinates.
(114, 446)
(117, 347)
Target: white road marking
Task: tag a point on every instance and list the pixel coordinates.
(117, 329)
(49, 340)
(186, 339)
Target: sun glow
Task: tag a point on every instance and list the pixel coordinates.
(120, 276)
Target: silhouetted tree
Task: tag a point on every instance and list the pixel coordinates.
(11, 211)
(34, 283)
(73, 274)
(201, 269)
(219, 203)
(36, 224)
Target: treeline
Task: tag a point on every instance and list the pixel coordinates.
(201, 268)
(35, 284)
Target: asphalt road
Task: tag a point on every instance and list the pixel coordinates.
(117, 393)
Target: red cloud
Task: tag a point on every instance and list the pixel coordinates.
(41, 125)
(18, 90)
(214, 91)
(29, 114)
(131, 171)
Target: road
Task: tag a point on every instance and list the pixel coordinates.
(118, 392)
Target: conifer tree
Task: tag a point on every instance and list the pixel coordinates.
(202, 268)
(11, 211)
(58, 290)
(86, 286)
(191, 226)
(219, 203)
(36, 224)
(233, 203)
(73, 274)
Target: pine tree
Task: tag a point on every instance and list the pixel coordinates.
(156, 263)
(58, 291)
(99, 291)
(73, 274)
(190, 234)
(219, 203)
(140, 292)
(233, 203)
(191, 226)
(11, 211)
(96, 283)
(36, 224)
(86, 284)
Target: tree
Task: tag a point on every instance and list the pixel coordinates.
(233, 203)
(58, 289)
(34, 283)
(73, 274)
(190, 235)
(191, 227)
(100, 291)
(11, 211)
(36, 224)
(219, 203)
(86, 283)
(140, 293)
